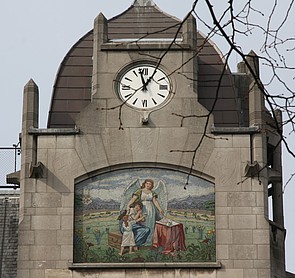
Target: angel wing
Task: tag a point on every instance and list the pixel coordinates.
(161, 190)
(128, 192)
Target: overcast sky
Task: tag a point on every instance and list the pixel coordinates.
(35, 37)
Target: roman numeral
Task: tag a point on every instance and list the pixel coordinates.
(163, 87)
(144, 71)
(144, 103)
(125, 88)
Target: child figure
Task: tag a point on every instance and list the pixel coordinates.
(128, 236)
(137, 213)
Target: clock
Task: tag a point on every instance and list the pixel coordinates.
(143, 86)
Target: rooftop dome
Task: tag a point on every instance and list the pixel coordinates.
(143, 20)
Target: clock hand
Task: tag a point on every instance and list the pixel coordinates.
(148, 81)
(143, 81)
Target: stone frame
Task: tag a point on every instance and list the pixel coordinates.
(89, 232)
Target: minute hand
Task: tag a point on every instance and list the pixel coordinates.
(144, 88)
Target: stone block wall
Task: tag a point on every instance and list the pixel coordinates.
(9, 207)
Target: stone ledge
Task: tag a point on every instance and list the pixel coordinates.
(13, 178)
(235, 130)
(137, 45)
(9, 193)
(53, 131)
(213, 265)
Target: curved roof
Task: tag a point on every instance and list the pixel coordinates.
(72, 88)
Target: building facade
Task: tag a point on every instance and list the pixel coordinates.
(157, 160)
(9, 206)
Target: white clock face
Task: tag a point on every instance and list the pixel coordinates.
(144, 87)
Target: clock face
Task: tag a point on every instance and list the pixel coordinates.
(144, 87)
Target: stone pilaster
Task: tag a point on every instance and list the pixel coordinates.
(30, 119)
(100, 37)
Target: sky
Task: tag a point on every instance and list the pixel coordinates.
(36, 35)
(116, 182)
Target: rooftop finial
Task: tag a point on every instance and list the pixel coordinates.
(144, 3)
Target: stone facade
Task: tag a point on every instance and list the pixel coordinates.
(107, 139)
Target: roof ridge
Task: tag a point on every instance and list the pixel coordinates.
(144, 3)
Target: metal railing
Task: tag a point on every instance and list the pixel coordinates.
(9, 163)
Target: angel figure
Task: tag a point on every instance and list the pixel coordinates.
(154, 203)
